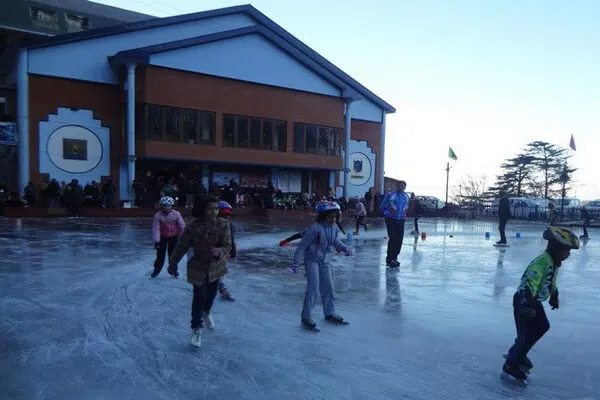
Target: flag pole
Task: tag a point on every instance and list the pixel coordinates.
(447, 179)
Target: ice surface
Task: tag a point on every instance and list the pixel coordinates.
(81, 319)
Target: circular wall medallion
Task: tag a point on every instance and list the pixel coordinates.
(360, 169)
(74, 149)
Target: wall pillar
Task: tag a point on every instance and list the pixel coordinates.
(382, 155)
(23, 121)
(348, 129)
(130, 130)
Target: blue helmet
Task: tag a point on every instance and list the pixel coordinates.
(327, 206)
(223, 205)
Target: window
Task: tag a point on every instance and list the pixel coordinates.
(175, 124)
(43, 18)
(254, 133)
(319, 140)
(76, 23)
(228, 131)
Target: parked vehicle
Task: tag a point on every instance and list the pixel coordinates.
(594, 208)
(523, 208)
(430, 203)
(571, 208)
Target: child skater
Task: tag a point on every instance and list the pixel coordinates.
(417, 211)
(225, 211)
(296, 236)
(210, 238)
(360, 213)
(167, 225)
(314, 249)
(538, 284)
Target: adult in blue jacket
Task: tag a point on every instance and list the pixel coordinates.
(394, 206)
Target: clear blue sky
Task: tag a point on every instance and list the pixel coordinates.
(482, 76)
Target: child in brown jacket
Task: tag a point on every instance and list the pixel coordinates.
(210, 239)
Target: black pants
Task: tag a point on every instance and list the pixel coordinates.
(204, 297)
(360, 222)
(395, 231)
(502, 228)
(166, 244)
(529, 330)
(416, 224)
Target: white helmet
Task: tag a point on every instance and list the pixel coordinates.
(166, 201)
(562, 236)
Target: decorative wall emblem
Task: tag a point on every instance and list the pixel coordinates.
(74, 149)
(361, 169)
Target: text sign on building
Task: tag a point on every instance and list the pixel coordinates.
(360, 169)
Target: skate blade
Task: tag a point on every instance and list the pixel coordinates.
(512, 380)
(526, 370)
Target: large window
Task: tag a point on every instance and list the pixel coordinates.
(76, 23)
(319, 140)
(254, 133)
(174, 124)
(43, 18)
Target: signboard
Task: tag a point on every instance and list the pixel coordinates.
(360, 169)
(8, 133)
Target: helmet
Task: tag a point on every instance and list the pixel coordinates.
(225, 208)
(327, 206)
(166, 201)
(562, 236)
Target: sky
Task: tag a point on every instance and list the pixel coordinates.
(482, 76)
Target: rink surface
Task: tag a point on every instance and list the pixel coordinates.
(82, 319)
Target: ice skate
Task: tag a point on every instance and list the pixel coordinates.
(155, 273)
(415, 233)
(310, 325)
(514, 373)
(336, 319)
(196, 339)
(173, 272)
(526, 366)
(225, 294)
(393, 264)
(208, 321)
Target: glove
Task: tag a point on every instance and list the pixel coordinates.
(528, 312)
(283, 243)
(348, 252)
(554, 300)
(293, 269)
(157, 246)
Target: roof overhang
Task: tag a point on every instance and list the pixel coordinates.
(271, 27)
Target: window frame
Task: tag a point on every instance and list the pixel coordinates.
(273, 146)
(333, 138)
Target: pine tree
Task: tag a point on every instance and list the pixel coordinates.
(548, 160)
(516, 174)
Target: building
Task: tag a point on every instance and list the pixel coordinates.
(22, 22)
(219, 94)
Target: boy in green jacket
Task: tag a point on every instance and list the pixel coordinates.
(538, 284)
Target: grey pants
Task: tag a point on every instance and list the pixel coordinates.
(318, 278)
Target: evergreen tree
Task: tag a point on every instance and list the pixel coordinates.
(548, 161)
(516, 174)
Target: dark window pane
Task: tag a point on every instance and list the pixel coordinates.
(281, 136)
(172, 124)
(299, 138)
(207, 127)
(324, 143)
(255, 133)
(311, 139)
(334, 142)
(267, 136)
(242, 132)
(190, 126)
(155, 122)
(228, 130)
(140, 125)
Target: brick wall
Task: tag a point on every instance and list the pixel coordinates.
(370, 132)
(225, 96)
(47, 94)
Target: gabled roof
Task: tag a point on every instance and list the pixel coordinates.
(142, 55)
(308, 53)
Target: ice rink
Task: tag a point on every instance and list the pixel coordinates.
(82, 319)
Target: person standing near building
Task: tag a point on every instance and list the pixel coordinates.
(394, 206)
(503, 217)
(360, 213)
(417, 212)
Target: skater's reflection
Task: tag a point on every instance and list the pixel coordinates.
(416, 257)
(499, 278)
(393, 300)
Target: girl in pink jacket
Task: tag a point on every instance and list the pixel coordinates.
(167, 225)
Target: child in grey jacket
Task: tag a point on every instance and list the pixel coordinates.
(314, 249)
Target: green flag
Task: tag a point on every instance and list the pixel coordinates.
(451, 154)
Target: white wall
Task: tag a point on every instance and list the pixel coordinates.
(88, 60)
(363, 166)
(249, 58)
(367, 111)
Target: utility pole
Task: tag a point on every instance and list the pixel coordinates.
(564, 178)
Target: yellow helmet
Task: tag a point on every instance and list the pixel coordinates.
(562, 236)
